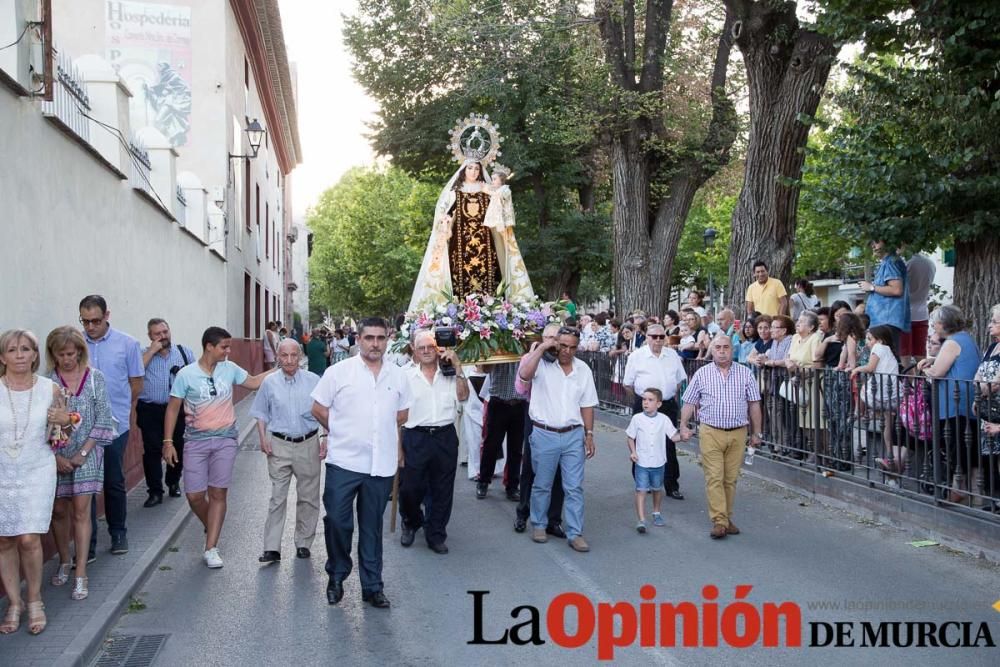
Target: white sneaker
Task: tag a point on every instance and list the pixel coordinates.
(212, 558)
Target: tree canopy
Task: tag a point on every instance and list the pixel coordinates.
(370, 231)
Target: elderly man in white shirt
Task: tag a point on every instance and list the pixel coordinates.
(563, 396)
(430, 442)
(363, 400)
(656, 366)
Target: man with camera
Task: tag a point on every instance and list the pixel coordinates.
(430, 442)
(162, 361)
(563, 396)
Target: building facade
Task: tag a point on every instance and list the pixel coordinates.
(126, 168)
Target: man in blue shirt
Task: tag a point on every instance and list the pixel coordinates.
(162, 361)
(888, 294)
(290, 438)
(117, 356)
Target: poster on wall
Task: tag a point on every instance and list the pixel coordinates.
(149, 45)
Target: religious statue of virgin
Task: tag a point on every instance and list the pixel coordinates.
(472, 249)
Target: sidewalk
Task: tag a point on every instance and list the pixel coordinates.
(76, 630)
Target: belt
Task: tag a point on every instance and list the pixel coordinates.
(430, 430)
(735, 428)
(564, 429)
(288, 438)
(513, 401)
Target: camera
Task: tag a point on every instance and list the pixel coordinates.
(445, 337)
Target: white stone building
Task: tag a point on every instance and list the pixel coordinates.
(138, 180)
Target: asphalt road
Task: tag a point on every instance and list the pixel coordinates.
(789, 550)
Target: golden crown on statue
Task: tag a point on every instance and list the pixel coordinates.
(475, 139)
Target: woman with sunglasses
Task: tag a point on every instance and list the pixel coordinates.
(206, 391)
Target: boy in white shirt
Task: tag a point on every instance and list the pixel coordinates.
(647, 444)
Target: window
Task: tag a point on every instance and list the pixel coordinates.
(267, 229)
(277, 314)
(258, 221)
(246, 305)
(267, 305)
(257, 327)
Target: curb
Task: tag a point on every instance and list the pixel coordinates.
(90, 639)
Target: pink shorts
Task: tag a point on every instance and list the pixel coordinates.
(209, 463)
(914, 343)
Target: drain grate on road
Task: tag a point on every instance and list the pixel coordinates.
(131, 651)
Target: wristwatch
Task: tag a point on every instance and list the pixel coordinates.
(758, 435)
(588, 433)
(84, 453)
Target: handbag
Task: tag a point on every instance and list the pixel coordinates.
(915, 412)
(789, 390)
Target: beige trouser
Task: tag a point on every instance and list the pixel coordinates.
(721, 458)
(300, 459)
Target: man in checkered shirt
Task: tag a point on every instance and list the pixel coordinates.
(726, 397)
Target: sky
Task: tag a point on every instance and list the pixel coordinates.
(332, 106)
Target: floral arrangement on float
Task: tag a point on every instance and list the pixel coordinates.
(488, 329)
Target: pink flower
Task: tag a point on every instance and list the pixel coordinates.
(484, 333)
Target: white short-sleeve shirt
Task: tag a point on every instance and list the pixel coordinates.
(363, 433)
(434, 403)
(556, 398)
(650, 435)
(644, 370)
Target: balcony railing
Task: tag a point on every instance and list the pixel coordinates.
(69, 99)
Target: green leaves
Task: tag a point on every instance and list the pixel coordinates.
(370, 232)
(915, 155)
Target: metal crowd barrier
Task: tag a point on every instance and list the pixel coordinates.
(907, 434)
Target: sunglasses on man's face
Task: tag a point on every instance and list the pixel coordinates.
(656, 336)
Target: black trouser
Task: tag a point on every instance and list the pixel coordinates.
(672, 469)
(503, 418)
(528, 478)
(430, 462)
(372, 493)
(149, 417)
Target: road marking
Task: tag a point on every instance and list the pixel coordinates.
(996, 605)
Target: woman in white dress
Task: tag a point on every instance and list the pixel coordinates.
(27, 475)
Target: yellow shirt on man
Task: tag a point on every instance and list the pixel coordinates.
(766, 298)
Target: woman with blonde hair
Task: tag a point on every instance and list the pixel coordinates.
(27, 475)
(80, 462)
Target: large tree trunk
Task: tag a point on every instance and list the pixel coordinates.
(630, 223)
(787, 68)
(646, 233)
(977, 285)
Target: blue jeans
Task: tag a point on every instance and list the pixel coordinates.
(549, 452)
(115, 497)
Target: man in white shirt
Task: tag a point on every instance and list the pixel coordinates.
(430, 442)
(563, 396)
(655, 366)
(363, 401)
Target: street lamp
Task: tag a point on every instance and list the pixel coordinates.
(709, 238)
(255, 136)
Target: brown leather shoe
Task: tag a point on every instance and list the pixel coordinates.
(579, 544)
(718, 531)
(732, 529)
(538, 535)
